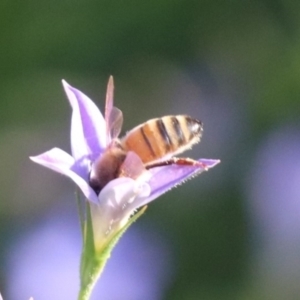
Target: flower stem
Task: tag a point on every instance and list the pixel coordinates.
(90, 279)
(80, 211)
(92, 261)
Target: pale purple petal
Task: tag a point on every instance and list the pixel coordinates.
(121, 191)
(61, 162)
(54, 159)
(165, 178)
(88, 129)
(113, 209)
(107, 214)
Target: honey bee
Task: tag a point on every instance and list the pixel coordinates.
(149, 145)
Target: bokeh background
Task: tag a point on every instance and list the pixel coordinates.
(231, 233)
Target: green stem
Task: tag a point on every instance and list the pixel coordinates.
(88, 268)
(80, 210)
(90, 279)
(92, 262)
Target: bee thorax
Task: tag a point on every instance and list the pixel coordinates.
(106, 168)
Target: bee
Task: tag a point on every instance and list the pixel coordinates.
(149, 145)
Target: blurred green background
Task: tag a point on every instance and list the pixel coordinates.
(233, 64)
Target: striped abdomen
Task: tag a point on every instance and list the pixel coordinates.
(159, 137)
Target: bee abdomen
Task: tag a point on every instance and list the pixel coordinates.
(195, 128)
(183, 130)
(164, 134)
(159, 137)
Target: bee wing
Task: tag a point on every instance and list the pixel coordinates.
(115, 122)
(113, 116)
(132, 166)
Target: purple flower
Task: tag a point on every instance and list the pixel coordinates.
(89, 139)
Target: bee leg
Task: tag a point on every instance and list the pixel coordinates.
(181, 161)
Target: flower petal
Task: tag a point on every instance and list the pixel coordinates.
(61, 162)
(55, 159)
(88, 129)
(165, 178)
(117, 197)
(121, 191)
(113, 210)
